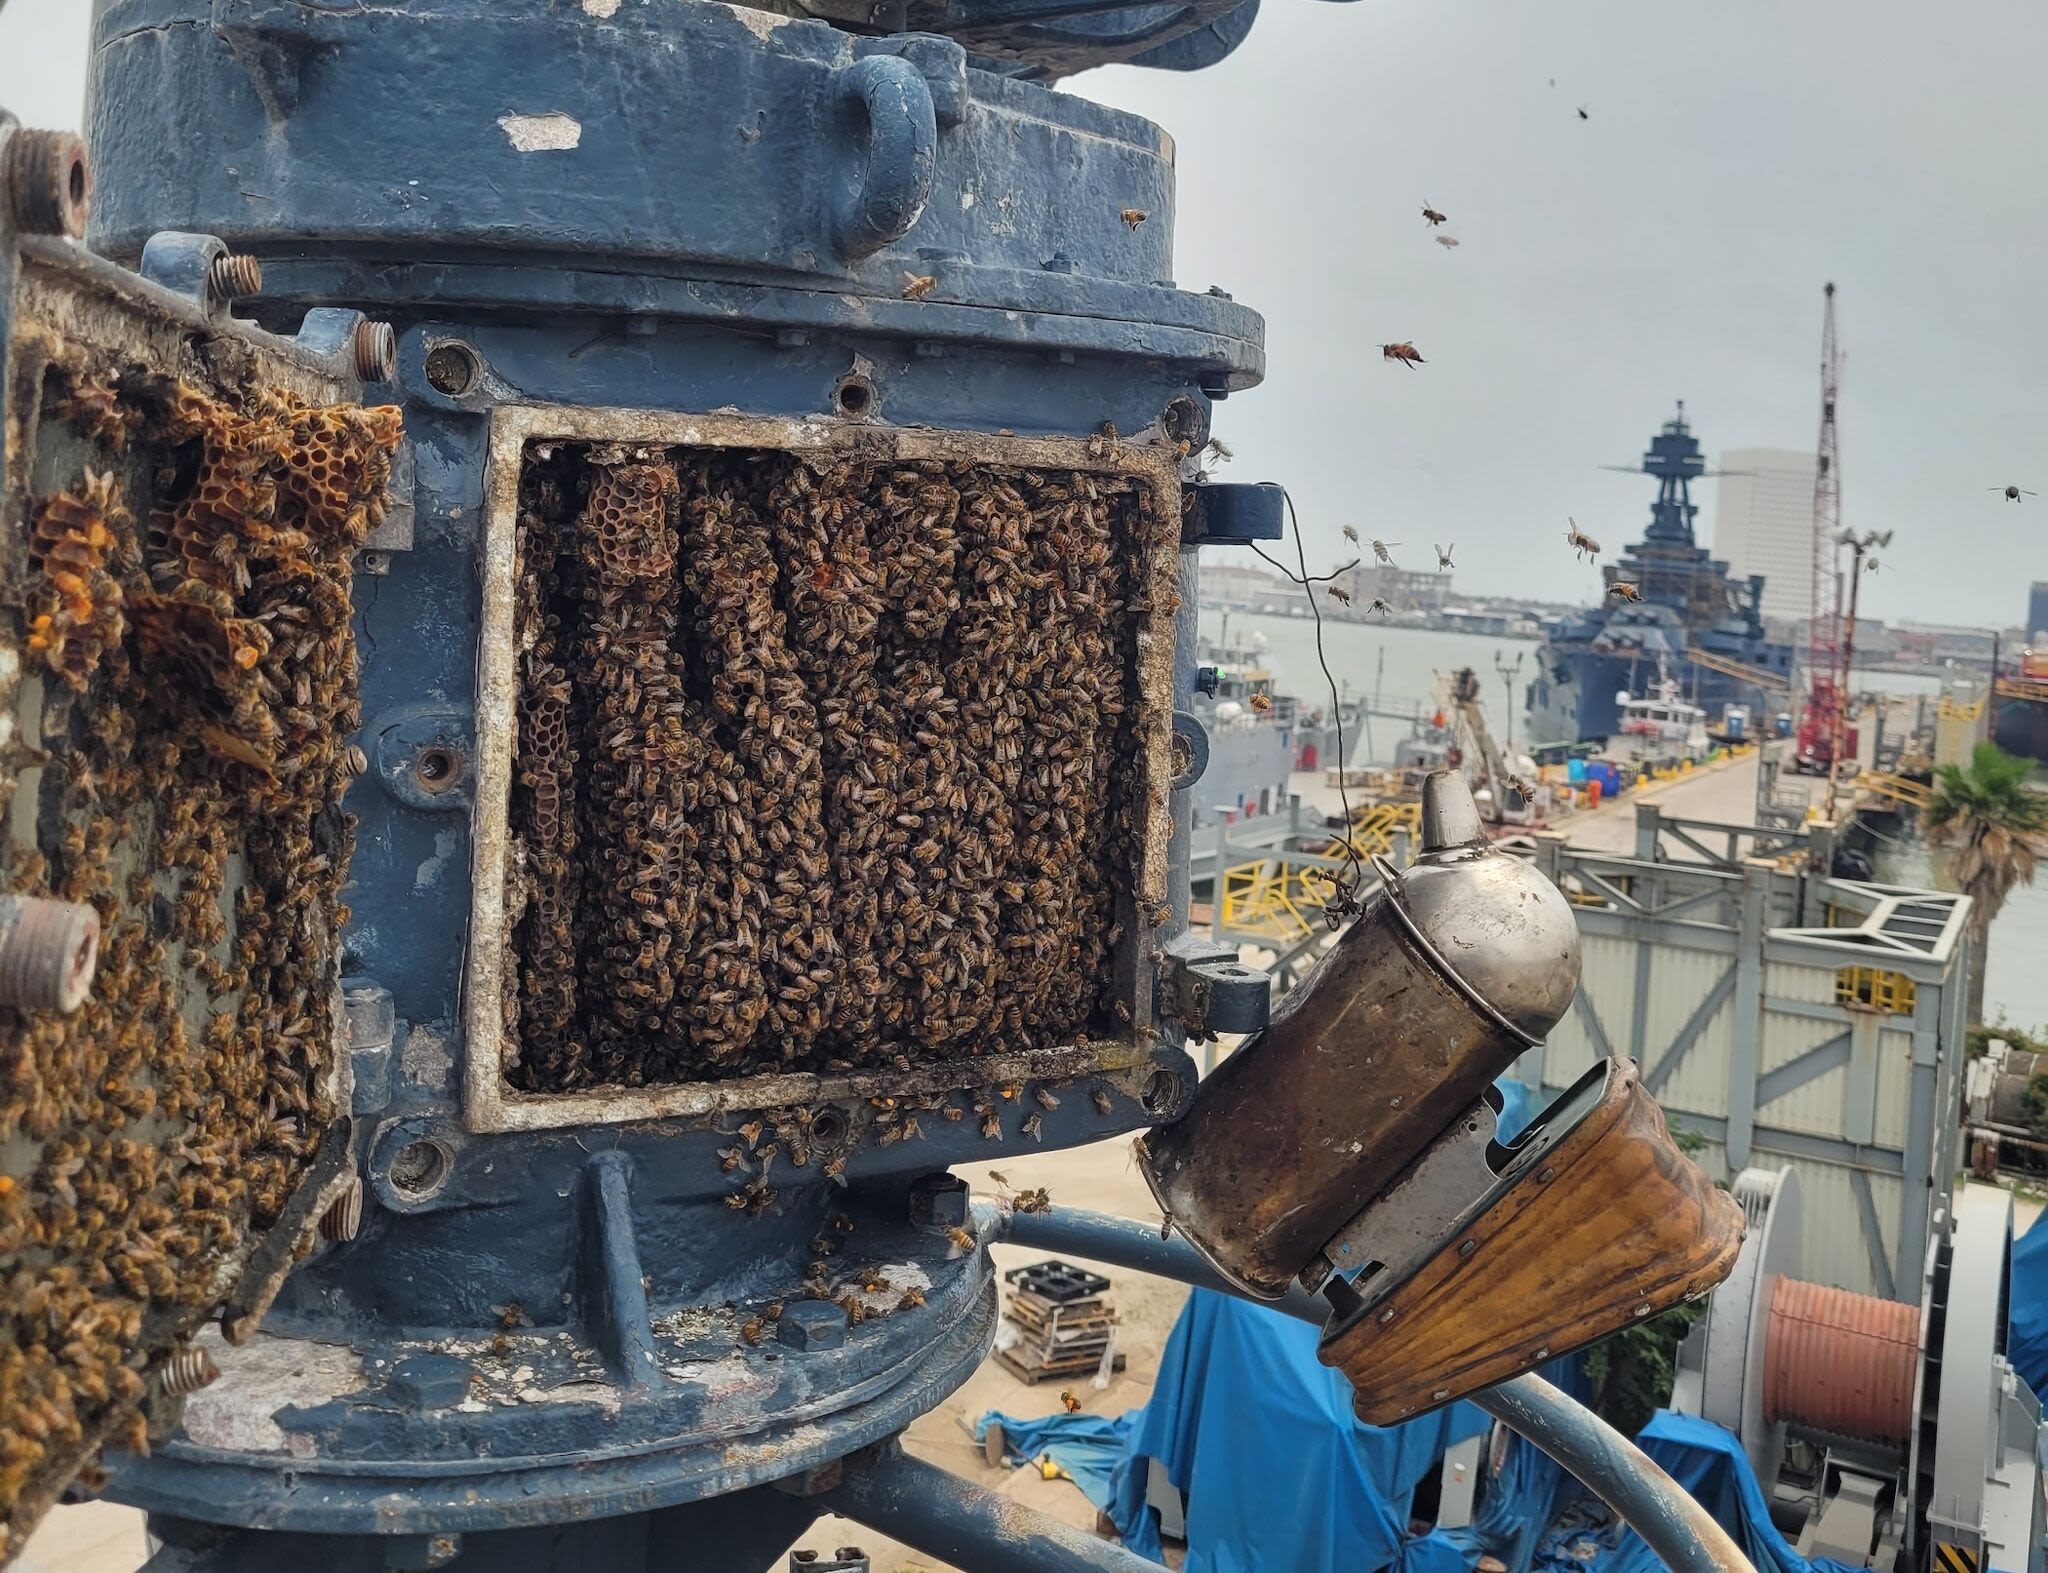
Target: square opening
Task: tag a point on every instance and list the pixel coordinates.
(812, 754)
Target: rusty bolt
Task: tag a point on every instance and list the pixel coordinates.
(49, 182)
(48, 953)
(344, 1217)
(375, 348)
(186, 1371)
(233, 277)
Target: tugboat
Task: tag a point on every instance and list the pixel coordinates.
(1690, 616)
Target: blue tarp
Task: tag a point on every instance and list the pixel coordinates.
(1283, 1476)
(1086, 1446)
(1712, 1467)
(2027, 1331)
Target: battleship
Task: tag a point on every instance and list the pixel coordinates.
(1694, 622)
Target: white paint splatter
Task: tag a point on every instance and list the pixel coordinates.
(601, 7)
(553, 132)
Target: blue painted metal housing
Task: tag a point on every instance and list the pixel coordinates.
(680, 207)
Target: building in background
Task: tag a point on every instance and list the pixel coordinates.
(1763, 523)
(2037, 615)
(1403, 589)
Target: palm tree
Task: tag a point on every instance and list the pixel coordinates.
(1996, 824)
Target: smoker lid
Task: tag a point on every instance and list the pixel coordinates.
(1493, 921)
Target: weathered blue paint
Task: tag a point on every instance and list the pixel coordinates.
(678, 207)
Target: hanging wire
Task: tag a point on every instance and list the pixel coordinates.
(1345, 902)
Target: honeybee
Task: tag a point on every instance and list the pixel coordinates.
(1035, 1201)
(1069, 1402)
(1401, 351)
(918, 285)
(1045, 1098)
(1522, 789)
(1342, 597)
(960, 1239)
(1134, 216)
(999, 1177)
(1582, 544)
(1431, 215)
(1261, 703)
(752, 1329)
(1032, 1125)
(1622, 590)
(1101, 1100)
(912, 1298)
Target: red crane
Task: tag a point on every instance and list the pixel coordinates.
(1821, 741)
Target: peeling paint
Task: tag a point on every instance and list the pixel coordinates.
(762, 24)
(601, 7)
(446, 844)
(553, 132)
(263, 1376)
(425, 1061)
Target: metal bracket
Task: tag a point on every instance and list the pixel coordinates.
(1232, 513)
(1206, 989)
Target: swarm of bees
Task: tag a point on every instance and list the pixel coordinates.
(202, 692)
(1403, 352)
(1583, 545)
(821, 762)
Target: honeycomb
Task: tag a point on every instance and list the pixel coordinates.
(821, 763)
(188, 608)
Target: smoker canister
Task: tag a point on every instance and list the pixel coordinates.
(1452, 970)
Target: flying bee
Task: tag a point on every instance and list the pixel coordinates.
(999, 1177)
(1380, 607)
(1134, 216)
(1383, 551)
(960, 1239)
(1448, 242)
(2012, 493)
(1261, 703)
(1622, 590)
(1069, 1401)
(1402, 351)
(1431, 215)
(1522, 789)
(1342, 597)
(1351, 535)
(1443, 556)
(918, 285)
(1582, 544)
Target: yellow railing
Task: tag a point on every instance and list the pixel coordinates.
(1273, 899)
(1900, 789)
(1955, 710)
(1876, 988)
(1372, 829)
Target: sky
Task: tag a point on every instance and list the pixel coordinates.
(1737, 155)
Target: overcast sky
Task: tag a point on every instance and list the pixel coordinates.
(1738, 154)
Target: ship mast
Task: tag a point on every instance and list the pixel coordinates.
(1826, 683)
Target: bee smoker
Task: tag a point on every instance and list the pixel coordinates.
(1454, 968)
(1353, 1144)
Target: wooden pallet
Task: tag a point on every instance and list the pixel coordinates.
(1031, 1374)
(1034, 1314)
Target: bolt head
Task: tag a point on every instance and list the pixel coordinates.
(938, 1201)
(811, 1324)
(430, 1381)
